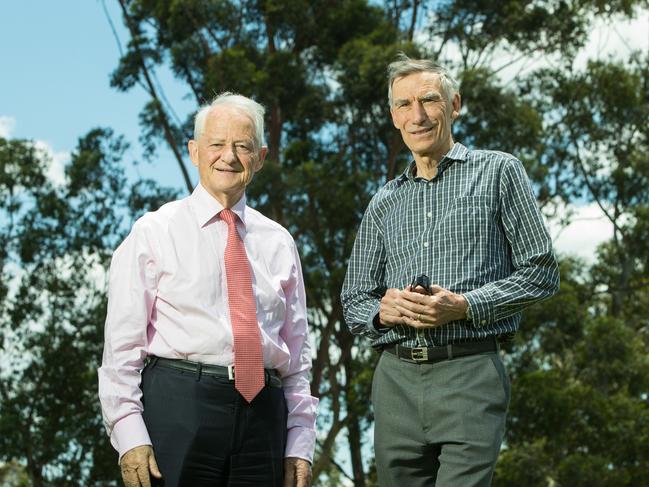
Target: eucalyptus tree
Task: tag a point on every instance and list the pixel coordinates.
(55, 246)
(319, 67)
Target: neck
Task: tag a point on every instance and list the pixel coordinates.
(427, 163)
(227, 200)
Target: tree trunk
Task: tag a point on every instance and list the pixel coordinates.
(354, 439)
(396, 143)
(346, 341)
(622, 286)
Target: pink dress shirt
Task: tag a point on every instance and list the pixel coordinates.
(168, 297)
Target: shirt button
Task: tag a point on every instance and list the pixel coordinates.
(425, 244)
(429, 214)
(483, 322)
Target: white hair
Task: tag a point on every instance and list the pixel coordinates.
(253, 109)
(404, 66)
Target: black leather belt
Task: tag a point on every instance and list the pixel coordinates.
(271, 375)
(429, 355)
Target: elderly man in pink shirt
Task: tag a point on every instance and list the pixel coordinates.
(205, 372)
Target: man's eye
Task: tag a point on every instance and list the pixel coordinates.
(243, 148)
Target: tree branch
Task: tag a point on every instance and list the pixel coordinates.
(413, 20)
(589, 185)
(150, 88)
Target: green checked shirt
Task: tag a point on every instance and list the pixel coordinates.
(475, 229)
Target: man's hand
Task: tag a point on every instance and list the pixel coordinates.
(297, 472)
(441, 306)
(138, 465)
(389, 314)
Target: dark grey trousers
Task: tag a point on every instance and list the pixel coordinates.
(439, 425)
(205, 434)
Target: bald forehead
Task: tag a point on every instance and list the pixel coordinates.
(227, 123)
(225, 116)
(229, 112)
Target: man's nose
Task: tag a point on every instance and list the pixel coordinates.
(418, 113)
(229, 153)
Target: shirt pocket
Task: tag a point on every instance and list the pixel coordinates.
(469, 227)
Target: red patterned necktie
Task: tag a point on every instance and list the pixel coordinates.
(248, 357)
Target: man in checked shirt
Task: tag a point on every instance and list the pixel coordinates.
(467, 220)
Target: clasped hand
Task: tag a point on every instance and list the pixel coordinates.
(413, 307)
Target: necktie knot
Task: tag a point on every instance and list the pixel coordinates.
(228, 216)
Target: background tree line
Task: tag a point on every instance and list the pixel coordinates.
(580, 372)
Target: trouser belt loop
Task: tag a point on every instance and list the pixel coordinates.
(154, 361)
(199, 371)
(449, 351)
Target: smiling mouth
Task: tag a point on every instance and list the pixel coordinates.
(422, 131)
(223, 169)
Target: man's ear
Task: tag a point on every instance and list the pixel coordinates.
(263, 152)
(192, 148)
(457, 106)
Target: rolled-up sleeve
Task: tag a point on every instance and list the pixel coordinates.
(131, 294)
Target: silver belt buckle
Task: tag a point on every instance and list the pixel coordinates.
(419, 354)
(231, 372)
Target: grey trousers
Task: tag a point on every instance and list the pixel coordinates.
(439, 425)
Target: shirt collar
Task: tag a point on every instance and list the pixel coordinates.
(207, 207)
(458, 153)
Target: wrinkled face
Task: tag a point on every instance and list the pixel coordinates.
(421, 111)
(226, 153)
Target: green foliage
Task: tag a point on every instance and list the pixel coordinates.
(579, 410)
(13, 475)
(319, 68)
(56, 248)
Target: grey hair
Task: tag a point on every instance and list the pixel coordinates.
(404, 66)
(250, 107)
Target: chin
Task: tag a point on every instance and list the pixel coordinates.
(423, 149)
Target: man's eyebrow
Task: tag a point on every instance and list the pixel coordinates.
(400, 101)
(213, 140)
(431, 95)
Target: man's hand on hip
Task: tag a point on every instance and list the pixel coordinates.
(439, 307)
(297, 472)
(138, 465)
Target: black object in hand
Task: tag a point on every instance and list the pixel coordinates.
(422, 280)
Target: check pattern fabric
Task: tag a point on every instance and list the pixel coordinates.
(474, 229)
(248, 356)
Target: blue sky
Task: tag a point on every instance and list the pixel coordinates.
(57, 57)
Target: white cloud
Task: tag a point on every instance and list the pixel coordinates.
(615, 39)
(56, 159)
(588, 228)
(7, 125)
(56, 162)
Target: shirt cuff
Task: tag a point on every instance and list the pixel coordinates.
(300, 443)
(128, 433)
(374, 324)
(480, 308)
